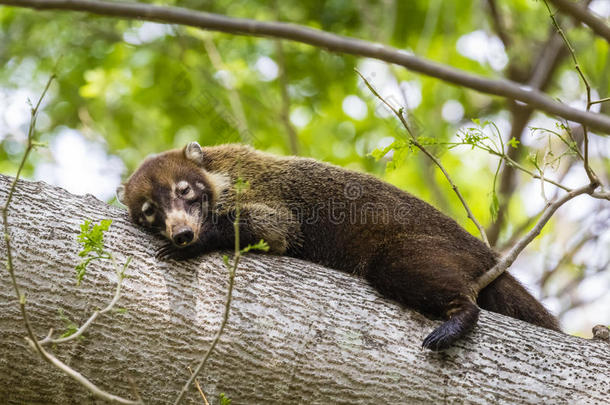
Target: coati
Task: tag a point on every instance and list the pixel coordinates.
(342, 219)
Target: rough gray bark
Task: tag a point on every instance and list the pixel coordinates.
(298, 332)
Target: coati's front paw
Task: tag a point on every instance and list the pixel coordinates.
(165, 252)
(169, 251)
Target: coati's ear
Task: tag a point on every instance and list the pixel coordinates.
(194, 153)
(120, 194)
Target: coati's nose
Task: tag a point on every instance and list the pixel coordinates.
(183, 236)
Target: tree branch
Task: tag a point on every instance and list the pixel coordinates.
(499, 24)
(288, 318)
(285, 108)
(234, 99)
(113, 399)
(332, 42)
(592, 176)
(7, 237)
(582, 14)
(93, 317)
(510, 257)
(31, 339)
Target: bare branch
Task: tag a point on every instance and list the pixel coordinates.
(285, 110)
(603, 100)
(80, 378)
(546, 65)
(331, 42)
(510, 257)
(93, 317)
(414, 141)
(31, 339)
(7, 238)
(234, 99)
(592, 176)
(582, 14)
(205, 400)
(225, 317)
(499, 24)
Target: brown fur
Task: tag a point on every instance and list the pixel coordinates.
(342, 219)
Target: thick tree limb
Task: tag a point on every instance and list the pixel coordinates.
(332, 42)
(583, 15)
(298, 332)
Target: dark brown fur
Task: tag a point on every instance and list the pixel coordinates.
(342, 219)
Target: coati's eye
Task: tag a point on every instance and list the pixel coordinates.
(148, 209)
(183, 188)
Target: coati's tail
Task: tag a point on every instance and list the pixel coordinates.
(505, 295)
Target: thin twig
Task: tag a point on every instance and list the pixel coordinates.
(227, 308)
(31, 339)
(285, 111)
(205, 400)
(603, 100)
(545, 64)
(414, 141)
(93, 317)
(499, 24)
(525, 225)
(510, 162)
(78, 377)
(234, 99)
(7, 238)
(512, 254)
(326, 40)
(592, 176)
(582, 14)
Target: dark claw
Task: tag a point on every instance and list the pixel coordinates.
(165, 252)
(169, 251)
(438, 339)
(449, 332)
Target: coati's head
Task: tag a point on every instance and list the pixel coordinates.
(170, 193)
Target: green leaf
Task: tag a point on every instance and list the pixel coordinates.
(379, 153)
(241, 185)
(514, 142)
(91, 237)
(71, 326)
(225, 259)
(261, 245)
(533, 159)
(427, 140)
(223, 399)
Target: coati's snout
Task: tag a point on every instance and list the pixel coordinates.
(183, 236)
(187, 210)
(170, 194)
